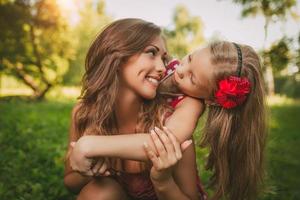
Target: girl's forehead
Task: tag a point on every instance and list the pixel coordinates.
(201, 52)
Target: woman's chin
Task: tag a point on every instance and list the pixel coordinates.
(149, 95)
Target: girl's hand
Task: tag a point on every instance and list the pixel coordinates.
(169, 153)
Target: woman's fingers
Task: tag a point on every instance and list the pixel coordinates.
(97, 166)
(152, 156)
(103, 169)
(72, 144)
(167, 143)
(186, 144)
(86, 169)
(158, 143)
(88, 173)
(175, 143)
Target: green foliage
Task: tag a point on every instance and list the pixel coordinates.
(273, 10)
(35, 43)
(279, 55)
(92, 19)
(288, 85)
(33, 139)
(187, 33)
(282, 153)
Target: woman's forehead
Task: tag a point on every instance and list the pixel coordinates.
(159, 43)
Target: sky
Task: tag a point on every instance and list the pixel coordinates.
(220, 17)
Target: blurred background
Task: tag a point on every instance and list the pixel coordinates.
(43, 44)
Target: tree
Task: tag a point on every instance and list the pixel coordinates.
(279, 55)
(186, 34)
(35, 43)
(272, 11)
(92, 19)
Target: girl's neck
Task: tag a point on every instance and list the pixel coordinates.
(128, 105)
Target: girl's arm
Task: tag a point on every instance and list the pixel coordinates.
(130, 146)
(123, 146)
(182, 123)
(183, 120)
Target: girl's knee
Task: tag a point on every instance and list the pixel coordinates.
(103, 188)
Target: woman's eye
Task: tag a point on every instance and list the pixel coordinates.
(189, 58)
(165, 61)
(152, 52)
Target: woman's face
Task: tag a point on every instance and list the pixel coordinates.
(194, 75)
(142, 72)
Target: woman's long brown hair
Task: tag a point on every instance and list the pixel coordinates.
(110, 50)
(236, 137)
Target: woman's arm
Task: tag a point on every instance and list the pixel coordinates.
(166, 163)
(73, 180)
(186, 176)
(183, 184)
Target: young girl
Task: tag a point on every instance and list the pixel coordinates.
(228, 77)
(123, 68)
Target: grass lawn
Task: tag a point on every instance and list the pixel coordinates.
(33, 138)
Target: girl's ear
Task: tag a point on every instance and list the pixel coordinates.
(211, 103)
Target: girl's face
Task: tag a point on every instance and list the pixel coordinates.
(143, 71)
(194, 75)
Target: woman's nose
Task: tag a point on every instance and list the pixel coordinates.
(160, 67)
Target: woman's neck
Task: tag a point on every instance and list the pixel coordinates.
(128, 105)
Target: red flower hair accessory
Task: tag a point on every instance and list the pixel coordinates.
(232, 91)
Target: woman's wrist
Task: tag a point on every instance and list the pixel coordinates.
(162, 184)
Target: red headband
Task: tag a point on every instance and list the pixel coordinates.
(233, 90)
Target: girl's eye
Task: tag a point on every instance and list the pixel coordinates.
(192, 79)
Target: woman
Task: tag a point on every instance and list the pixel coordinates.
(123, 67)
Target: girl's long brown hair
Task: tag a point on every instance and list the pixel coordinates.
(236, 137)
(110, 50)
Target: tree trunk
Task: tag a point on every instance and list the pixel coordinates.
(269, 78)
(41, 94)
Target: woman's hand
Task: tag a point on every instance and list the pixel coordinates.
(78, 161)
(169, 153)
(100, 168)
(87, 166)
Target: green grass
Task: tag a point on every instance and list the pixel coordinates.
(33, 139)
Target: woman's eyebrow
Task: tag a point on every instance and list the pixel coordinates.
(157, 49)
(191, 56)
(152, 45)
